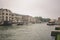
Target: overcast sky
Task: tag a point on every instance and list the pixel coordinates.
(44, 8)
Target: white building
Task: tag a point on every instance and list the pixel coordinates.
(5, 15)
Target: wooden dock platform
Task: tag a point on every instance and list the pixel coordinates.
(57, 28)
(55, 32)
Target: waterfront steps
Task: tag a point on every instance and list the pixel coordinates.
(55, 32)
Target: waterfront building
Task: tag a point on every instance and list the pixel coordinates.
(6, 16)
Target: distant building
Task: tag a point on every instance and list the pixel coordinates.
(17, 18)
(37, 20)
(58, 20)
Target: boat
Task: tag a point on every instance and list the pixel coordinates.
(20, 23)
(51, 23)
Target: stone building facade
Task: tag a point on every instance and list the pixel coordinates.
(5, 15)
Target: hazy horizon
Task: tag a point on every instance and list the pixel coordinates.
(43, 8)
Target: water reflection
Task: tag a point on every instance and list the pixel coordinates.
(5, 34)
(5, 27)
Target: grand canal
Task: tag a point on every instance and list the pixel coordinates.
(27, 32)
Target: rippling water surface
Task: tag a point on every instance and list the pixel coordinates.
(27, 32)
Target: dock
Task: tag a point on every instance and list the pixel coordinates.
(57, 28)
(55, 32)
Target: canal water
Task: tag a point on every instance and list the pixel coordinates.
(27, 32)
